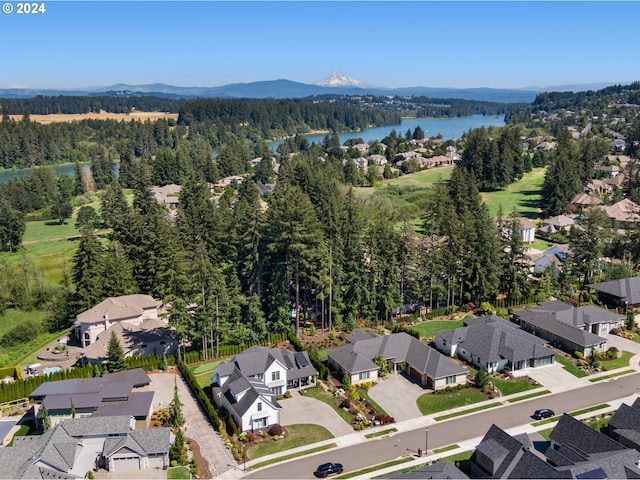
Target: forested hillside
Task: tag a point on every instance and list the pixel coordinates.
(263, 242)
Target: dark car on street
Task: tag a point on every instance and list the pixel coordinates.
(327, 469)
(543, 413)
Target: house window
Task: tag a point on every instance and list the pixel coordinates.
(259, 406)
(450, 379)
(275, 375)
(363, 375)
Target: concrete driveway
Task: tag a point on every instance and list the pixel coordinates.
(300, 409)
(398, 396)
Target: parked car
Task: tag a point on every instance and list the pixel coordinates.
(327, 469)
(543, 413)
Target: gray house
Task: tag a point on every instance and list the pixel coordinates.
(110, 395)
(77, 446)
(571, 328)
(621, 293)
(624, 426)
(576, 451)
(402, 352)
(494, 344)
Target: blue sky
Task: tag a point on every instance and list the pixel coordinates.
(392, 44)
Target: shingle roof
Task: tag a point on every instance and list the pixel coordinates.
(626, 289)
(545, 320)
(399, 347)
(248, 390)
(350, 360)
(502, 449)
(492, 338)
(572, 433)
(119, 308)
(441, 470)
(254, 361)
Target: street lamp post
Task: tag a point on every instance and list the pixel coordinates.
(426, 441)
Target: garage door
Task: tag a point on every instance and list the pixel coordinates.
(156, 461)
(126, 463)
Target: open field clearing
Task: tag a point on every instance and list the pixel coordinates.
(62, 117)
(524, 196)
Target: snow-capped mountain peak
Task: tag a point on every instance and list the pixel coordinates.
(338, 79)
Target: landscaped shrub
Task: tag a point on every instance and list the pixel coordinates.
(346, 403)
(578, 355)
(276, 429)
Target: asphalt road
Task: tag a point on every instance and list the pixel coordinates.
(456, 430)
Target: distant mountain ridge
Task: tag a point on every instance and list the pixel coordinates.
(282, 88)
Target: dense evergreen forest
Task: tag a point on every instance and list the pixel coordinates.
(312, 247)
(613, 100)
(75, 104)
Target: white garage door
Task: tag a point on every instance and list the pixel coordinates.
(156, 461)
(124, 464)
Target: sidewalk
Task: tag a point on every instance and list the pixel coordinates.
(424, 421)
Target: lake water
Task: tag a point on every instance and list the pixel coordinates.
(449, 128)
(65, 169)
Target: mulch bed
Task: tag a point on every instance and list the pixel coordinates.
(203, 465)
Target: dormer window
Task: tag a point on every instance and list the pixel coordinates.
(275, 375)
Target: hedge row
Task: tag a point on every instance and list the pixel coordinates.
(411, 331)
(150, 362)
(205, 403)
(23, 388)
(323, 371)
(13, 372)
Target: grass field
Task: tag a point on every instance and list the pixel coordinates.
(509, 387)
(298, 436)
(431, 327)
(408, 193)
(56, 118)
(432, 403)
(524, 196)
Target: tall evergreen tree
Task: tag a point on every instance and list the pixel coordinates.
(115, 355)
(12, 226)
(86, 272)
(562, 179)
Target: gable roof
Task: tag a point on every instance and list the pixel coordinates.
(64, 452)
(248, 390)
(118, 308)
(502, 449)
(572, 435)
(255, 360)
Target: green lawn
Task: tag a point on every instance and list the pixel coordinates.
(431, 327)
(435, 402)
(569, 366)
(178, 473)
(531, 395)
(620, 362)
(524, 195)
(508, 387)
(298, 435)
(607, 377)
(204, 371)
(292, 455)
(467, 411)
